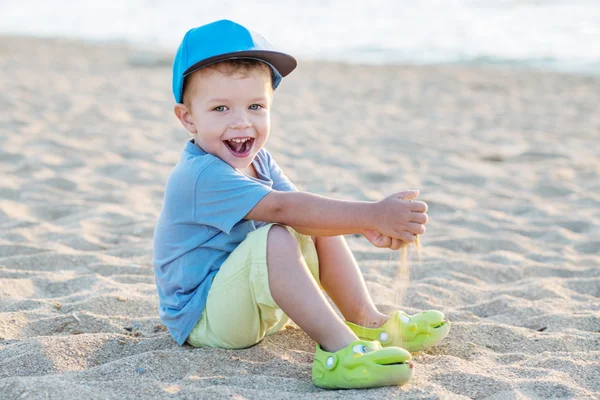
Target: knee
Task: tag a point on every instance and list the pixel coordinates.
(280, 236)
(281, 243)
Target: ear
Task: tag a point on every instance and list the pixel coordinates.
(185, 117)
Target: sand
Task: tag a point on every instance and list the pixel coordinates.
(508, 161)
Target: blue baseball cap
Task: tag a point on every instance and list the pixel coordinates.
(224, 40)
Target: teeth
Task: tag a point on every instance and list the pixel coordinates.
(240, 140)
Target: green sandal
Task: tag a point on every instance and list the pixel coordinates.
(413, 333)
(362, 364)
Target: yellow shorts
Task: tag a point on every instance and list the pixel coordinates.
(240, 310)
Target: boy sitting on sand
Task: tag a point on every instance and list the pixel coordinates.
(237, 249)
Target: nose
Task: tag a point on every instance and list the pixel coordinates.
(240, 121)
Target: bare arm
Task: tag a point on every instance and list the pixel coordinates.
(316, 215)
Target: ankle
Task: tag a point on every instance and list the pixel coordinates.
(331, 345)
(372, 321)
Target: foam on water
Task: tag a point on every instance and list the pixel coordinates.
(554, 34)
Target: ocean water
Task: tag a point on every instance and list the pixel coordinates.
(559, 35)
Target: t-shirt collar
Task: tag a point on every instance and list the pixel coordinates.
(191, 147)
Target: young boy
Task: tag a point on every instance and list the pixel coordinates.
(237, 249)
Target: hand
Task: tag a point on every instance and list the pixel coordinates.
(382, 241)
(410, 216)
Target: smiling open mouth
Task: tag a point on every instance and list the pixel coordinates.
(239, 147)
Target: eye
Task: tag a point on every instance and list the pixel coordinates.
(256, 109)
(360, 349)
(219, 108)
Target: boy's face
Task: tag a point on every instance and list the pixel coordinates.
(228, 116)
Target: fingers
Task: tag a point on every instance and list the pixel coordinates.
(385, 242)
(377, 239)
(407, 237)
(396, 244)
(419, 218)
(415, 228)
(408, 194)
(417, 206)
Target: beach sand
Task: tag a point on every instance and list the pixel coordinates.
(508, 161)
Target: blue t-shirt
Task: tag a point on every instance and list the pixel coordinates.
(200, 224)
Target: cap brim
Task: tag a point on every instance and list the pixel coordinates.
(284, 63)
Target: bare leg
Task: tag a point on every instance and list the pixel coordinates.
(294, 289)
(341, 278)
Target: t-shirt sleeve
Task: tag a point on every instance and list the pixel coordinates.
(280, 181)
(223, 196)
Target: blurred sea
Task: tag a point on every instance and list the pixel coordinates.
(561, 35)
